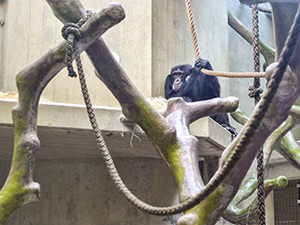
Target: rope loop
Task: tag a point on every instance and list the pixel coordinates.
(67, 30)
(71, 28)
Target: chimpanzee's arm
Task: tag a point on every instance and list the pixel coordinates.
(168, 87)
(213, 84)
(188, 85)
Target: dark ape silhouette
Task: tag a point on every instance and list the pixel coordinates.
(192, 85)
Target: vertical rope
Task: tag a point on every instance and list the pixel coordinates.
(256, 85)
(255, 43)
(193, 29)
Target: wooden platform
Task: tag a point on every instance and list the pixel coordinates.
(64, 132)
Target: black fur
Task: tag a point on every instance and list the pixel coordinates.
(192, 85)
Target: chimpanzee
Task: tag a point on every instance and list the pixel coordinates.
(192, 85)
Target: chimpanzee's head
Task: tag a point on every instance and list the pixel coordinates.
(179, 74)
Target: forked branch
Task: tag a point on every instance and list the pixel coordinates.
(19, 187)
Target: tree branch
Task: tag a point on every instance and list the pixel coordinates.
(244, 215)
(290, 149)
(241, 29)
(19, 187)
(248, 215)
(240, 116)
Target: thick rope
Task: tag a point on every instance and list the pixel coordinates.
(192, 27)
(239, 149)
(197, 53)
(233, 74)
(255, 92)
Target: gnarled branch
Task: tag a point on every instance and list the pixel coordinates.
(19, 187)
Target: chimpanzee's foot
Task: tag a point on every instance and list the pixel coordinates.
(230, 129)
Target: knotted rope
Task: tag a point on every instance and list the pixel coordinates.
(255, 89)
(238, 150)
(255, 92)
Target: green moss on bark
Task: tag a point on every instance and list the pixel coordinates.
(167, 144)
(199, 215)
(11, 196)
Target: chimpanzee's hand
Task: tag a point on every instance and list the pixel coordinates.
(232, 130)
(202, 63)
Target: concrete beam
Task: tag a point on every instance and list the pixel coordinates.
(65, 133)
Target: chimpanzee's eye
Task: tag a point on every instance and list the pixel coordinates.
(177, 75)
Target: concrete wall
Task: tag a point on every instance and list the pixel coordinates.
(80, 192)
(31, 29)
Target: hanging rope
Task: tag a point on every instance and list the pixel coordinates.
(234, 75)
(197, 53)
(255, 89)
(255, 92)
(238, 150)
(192, 27)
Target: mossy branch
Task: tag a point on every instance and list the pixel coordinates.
(240, 116)
(19, 187)
(236, 214)
(184, 161)
(248, 215)
(243, 31)
(283, 140)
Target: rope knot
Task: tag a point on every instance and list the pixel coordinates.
(254, 92)
(71, 28)
(72, 50)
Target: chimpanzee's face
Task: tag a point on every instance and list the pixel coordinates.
(178, 78)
